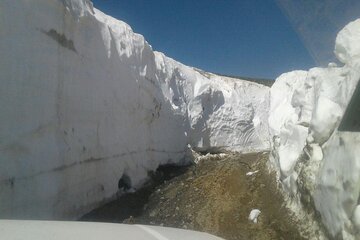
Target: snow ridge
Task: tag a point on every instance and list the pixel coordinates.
(317, 164)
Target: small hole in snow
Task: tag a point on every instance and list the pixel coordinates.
(124, 182)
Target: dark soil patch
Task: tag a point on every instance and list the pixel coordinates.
(132, 203)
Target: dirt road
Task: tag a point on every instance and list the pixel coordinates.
(216, 196)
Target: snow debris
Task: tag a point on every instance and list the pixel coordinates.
(251, 173)
(254, 214)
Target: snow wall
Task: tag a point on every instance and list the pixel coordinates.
(318, 163)
(84, 100)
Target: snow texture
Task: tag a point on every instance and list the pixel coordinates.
(314, 160)
(223, 114)
(85, 101)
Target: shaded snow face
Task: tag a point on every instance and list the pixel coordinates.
(313, 158)
(82, 106)
(87, 101)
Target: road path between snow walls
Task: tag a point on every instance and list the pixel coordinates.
(315, 138)
(232, 196)
(87, 105)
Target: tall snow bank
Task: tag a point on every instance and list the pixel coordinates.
(81, 106)
(84, 100)
(318, 165)
(224, 114)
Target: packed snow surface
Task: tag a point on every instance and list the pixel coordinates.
(319, 165)
(85, 101)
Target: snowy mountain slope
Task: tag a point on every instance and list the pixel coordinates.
(84, 100)
(319, 165)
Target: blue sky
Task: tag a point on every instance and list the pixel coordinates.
(249, 38)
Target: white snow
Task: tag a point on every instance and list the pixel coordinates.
(311, 156)
(223, 114)
(84, 100)
(252, 173)
(254, 214)
(356, 218)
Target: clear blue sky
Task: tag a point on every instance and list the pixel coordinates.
(249, 38)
